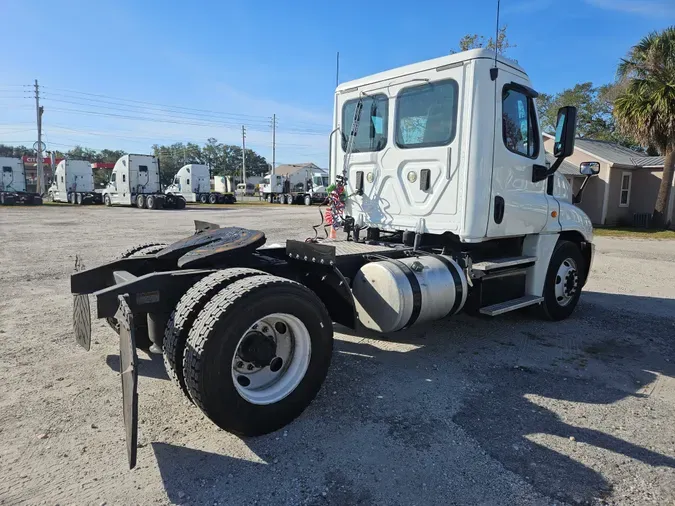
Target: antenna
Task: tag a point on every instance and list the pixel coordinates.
(497, 33)
(494, 71)
(337, 69)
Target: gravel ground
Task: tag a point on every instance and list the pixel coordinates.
(511, 410)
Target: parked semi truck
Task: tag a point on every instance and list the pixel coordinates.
(193, 183)
(448, 206)
(135, 181)
(73, 182)
(224, 185)
(306, 185)
(13, 184)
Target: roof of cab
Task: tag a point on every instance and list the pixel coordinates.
(472, 54)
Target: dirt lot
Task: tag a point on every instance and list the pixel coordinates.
(512, 410)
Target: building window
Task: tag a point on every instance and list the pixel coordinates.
(426, 115)
(519, 123)
(372, 132)
(626, 181)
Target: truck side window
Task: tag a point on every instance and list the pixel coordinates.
(519, 123)
(426, 115)
(187, 181)
(62, 179)
(124, 178)
(372, 133)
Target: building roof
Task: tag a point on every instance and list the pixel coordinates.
(285, 170)
(616, 154)
(566, 168)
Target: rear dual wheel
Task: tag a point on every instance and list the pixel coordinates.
(257, 354)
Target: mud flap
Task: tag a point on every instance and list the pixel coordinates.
(129, 369)
(81, 314)
(82, 321)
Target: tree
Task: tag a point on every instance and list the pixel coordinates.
(594, 112)
(15, 151)
(474, 41)
(645, 106)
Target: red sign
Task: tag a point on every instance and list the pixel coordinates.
(102, 165)
(33, 159)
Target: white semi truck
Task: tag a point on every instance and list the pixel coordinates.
(73, 182)
(193, 183)
(306, 185)
(135, 181)
(449, 205)
(13, 184)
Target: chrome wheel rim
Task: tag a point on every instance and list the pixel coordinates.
(271, 358)
(566, 282)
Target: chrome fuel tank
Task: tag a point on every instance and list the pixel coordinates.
(393, 294)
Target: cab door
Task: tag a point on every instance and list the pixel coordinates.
(517, 205)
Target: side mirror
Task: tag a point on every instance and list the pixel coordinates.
(589, 168)
(565, 132)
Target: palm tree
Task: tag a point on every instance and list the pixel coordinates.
(645, 108)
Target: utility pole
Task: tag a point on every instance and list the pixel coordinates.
(38, 151)
(274, 144)
(337, 69)
(243, 154)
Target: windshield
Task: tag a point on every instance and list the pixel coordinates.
(320, 180)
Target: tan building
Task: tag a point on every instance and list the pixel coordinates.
(625, 189)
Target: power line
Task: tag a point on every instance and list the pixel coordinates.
(249, 117)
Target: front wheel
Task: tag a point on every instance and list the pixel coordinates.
(258, 354)
(106, 200)
(562, 287)
(308, 200)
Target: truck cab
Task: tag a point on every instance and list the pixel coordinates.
(73, 182)
(193, 182)
(13, 177)
(419, 163)
(132, 175)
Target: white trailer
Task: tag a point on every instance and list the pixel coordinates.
(193, 183)
(222, 184)
(135, 181)
(306, 185)
(73, 182)
(449, 206)
(13, 184)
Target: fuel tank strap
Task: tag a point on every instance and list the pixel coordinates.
(414, 286)
(457, 278)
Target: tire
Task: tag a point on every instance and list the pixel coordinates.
(203, 198)
(213, 198)
(180, 203)
(140, 201)
(186, 312)
(50, 197)
(78, 199)
(215, 337)
(308, 200)
(106, 200)
(71, 198)
(37, 200)
(557, 306)
(149, 248)
(289, 199)
(150, 202)
(2, 199)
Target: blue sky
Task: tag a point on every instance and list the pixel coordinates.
(250, 59)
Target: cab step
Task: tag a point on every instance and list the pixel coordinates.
(511, 305)
(503, 263)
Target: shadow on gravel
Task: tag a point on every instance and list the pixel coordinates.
(435, 414)
(211, 478)
(149, 365)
